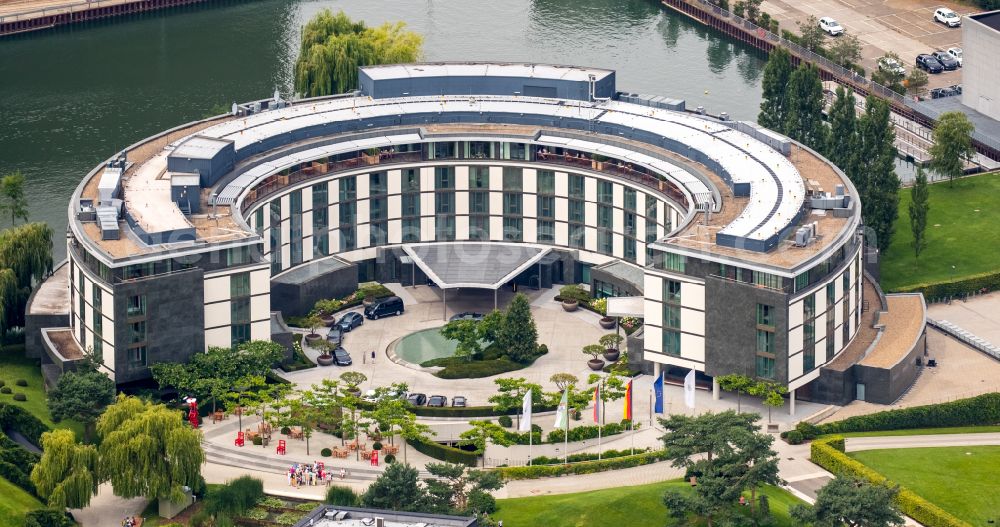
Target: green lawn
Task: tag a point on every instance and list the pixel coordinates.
(13, 366)
(956, 234)
(14, 504)
(960, 480)
(925, 431)
(639, 505)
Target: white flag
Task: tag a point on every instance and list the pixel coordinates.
(689, 389)
(526, 413)
(561, 416)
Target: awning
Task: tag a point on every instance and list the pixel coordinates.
(625, 306)
(476, 265)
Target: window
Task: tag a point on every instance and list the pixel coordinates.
(672, 291)
(847, 283)
(411, 204)
(765, 341)
(801, 281)
(513, 178)
(546, 207)
(443, 150)
(576, 210)
(98, 322)
(237, 256)
(630, 222)
(240, 310)
(576, 186)
(137, 356)
(513, 151)
(672, 262)
(629, 249)
(445, 227)
(258, 220)
(444, 178)
(809, 333)
(765, 353)
(479, 178)
(132, 272)
(765, 315)
(672, 342)
(321, 234)
(809, 306)
(605, 242)
(479, 228)
(378, 184)
(765, 367)
(577, 237)
(136, 306)
(348, 189)
(671, 316)
(295, 229)
(829, 345)
(767, 280)
(479, 203)
(411, 180)
(604, 217)
(377, 209)
(512, 229)
(605, 192)
(809, 359)
(137, 332)
(239, 285)
(348, 239)
(630, 199)
(320, 195)
(650, 208)
(239, 333)
(348, 213)
(512, 204)
(478, 150)
(546, 182)
(411, 230)
(378, 233)
(444, 203)
(831, 294)
(546, 231)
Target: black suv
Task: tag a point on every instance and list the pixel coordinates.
(947, 61)
(416, 399)
(929, 64)
(390, 305)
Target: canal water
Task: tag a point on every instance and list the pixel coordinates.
(71, 98)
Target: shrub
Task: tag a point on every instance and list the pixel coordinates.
(390, 459)
(444, 453)
(809, 431)
(588, 432)
(463, 369)
(5, 389)
(288, 518)
(794, 437)
(256, 513)
(377, 445)
(586, 456)
(829, 454)
(505, 421)
(543, 350)
(975, 411)
(989, 281)
(48, 518)
(235, 497)
(306, 506)
(326, 452)
(574, 292)
(286, 430)
(343, 496)
(257, 440)
(21, 382)
(20, 397)
(587, 467)
(270, 502)
(3, 382)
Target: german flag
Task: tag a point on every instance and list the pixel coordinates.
(628, 401)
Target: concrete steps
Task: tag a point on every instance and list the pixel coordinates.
(234, 457)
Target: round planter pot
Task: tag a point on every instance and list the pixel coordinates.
(608, 323)
(312, 338)
(328, 320)
(595, 364)
(611, 355)
(324, 360)
(570, 305)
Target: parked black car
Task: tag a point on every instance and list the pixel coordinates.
(391, 305)
(335, 336)
(468, 315)
(458, 401)
(929, 64)
(341, 357)
(439, 401)
(416, 399)
(350, 321)
(947, 61)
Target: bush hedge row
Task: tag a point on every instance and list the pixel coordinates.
(586, 456)
(989, 281)
(829, 453)
(982, 410)
(445, 453)
(16, 462)
(586, 467)
(581, 433)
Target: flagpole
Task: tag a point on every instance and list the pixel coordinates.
(600, 421)
(530, 433)
(566, 439)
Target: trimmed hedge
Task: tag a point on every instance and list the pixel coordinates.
(445, 453)
(587, 456)
(16, 462)
(982, 410)
(586, 467)
(581, 433)
(829, 454)
(988, 281)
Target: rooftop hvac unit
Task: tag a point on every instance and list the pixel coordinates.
(802, 237)
(723, 116)
(379, 522)
(110, 184)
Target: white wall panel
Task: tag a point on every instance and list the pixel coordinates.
(693, 321)
(693, 295)
(692, 347)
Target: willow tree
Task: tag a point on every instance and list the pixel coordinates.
(148, 450)
(25, 258)
(66, 475)
(334, 46)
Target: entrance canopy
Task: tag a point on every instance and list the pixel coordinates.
(625, 306)
(473, 265)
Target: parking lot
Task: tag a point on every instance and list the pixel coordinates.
(906, 27)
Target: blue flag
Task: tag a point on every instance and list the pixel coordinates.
(658, 393)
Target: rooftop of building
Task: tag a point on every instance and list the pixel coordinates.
(52, 295)
(902, 325)
(485, 69)
(337, 516)
(989, 18)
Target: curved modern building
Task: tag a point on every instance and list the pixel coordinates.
(743, 246)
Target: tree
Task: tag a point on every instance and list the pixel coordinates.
(952, 146)
(481, 433)
(510, 395)
(334, 46)
(12, 200)
(563, 381)
(297, 412)
(811, 34)
(734, 382)
(774, 106)
(81, 395)
(846, 50)
(518, 338)
(148, 450)
(891, 78)
(804, 122)
(395, 489)
(916, 81)
(919, 205)
(843, 130)
(876, 178)
(612, 387)
(770, 394)
(737, 457)
(611, 341)
(451, 486)
(353, 379)
(25, 259)
(467, 334)
(411, 430)
(66, 475)
(849, 502)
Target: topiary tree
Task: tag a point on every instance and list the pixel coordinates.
(353, 379)
(519, 336)
(574, 292)
(593, 350)
(611, 341)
